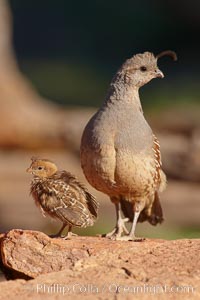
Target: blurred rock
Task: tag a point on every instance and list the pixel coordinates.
(74, 124)
(177, 120)
(180, 204)
(181, 155)
(91, 266)
(28, 120)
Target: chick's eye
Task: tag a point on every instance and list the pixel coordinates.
(143, 68)
(40, 168)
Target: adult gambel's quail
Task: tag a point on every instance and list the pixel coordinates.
(60, 195)
(120, 155)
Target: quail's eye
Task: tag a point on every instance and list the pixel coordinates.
(40, 168)
(143, 68)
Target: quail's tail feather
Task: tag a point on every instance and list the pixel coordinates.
(154, 218)
(156, 211)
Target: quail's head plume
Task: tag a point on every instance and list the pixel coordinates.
(60, 195)
(120, 155)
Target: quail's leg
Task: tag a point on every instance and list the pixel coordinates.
(120, 227)
(69, 233)
(131, 236)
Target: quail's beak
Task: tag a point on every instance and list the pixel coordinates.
(159, 73)
(29, 170)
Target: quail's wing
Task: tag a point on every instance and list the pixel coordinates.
(160, 176)
(157, 158)
(156, 147)
(70, 207)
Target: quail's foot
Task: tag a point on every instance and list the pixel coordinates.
(118, 230)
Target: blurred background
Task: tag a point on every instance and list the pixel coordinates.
(57, 59)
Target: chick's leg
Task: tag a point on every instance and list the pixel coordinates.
(120, 227)
(60, 231)
(69, 233)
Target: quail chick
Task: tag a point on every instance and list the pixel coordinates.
(60, 195)
(120, 155)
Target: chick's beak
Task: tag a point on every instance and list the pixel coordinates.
(29, 170)
(159, 73)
